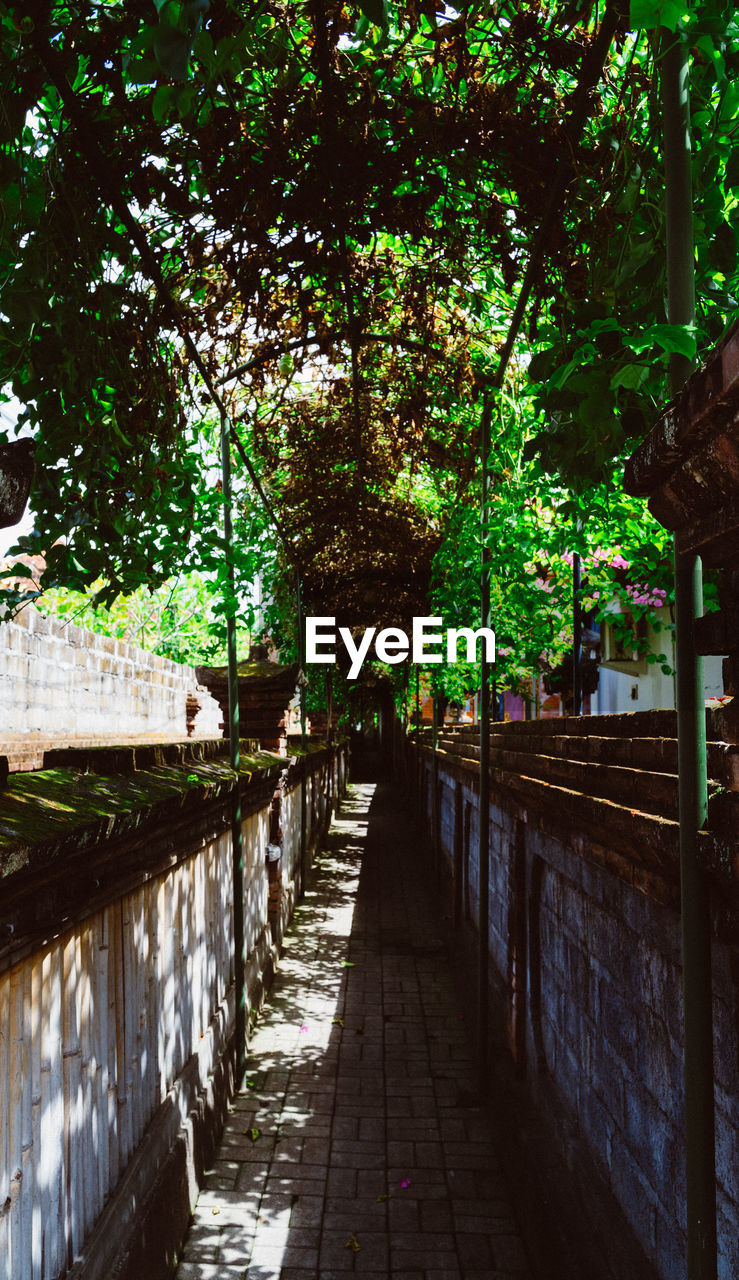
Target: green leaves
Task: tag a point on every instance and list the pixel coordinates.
(631, 376)
(673, 338)
(172, 50)
(731, 172)
(379, 222)
(375, 11)
(173, 37)
(657, 13)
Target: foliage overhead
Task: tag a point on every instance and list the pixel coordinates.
(342, 202)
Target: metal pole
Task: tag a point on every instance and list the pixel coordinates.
(329, 706)
(691, 721)
(484, 823)
(576, 637)
(417, 742)
(435, 787)
(406, 721)
(235, 759)
(303, 741)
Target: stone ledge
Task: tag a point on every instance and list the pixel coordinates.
(651, 755)
(56, 811)
(649, 791)
(624, 827)
(70, 842)
(658, 723)
(640, 848)
(135, 757)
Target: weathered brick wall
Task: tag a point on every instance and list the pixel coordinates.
(60, 683)
(585, 955)
(117, 988)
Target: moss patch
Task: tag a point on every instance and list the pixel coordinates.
(44, 813)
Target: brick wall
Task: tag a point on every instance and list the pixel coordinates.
(60, 683)
(585, 954)
(117, 994)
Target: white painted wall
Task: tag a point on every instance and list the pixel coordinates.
(63, 682)
(653, 688)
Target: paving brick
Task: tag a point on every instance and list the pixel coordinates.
(473, 1249)
(406, 1258)
(348, 1127)
(509, 1253)
(363, 1137)
(307, 1211)
(404, 1215)
(335, 1253)
(209, 1271)
(371, 1129)
(202, 1242)
(216, 1180)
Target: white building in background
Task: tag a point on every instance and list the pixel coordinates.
(628, 682)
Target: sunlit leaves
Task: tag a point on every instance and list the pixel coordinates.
(345, 239)
(657, 13)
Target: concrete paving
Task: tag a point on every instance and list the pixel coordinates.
(356, 1145)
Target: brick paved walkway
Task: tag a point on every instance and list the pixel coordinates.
(356, 1146)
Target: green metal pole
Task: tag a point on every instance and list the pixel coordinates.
(303, 742)
(576, 638)
(417, 742)
(484, 823)
(435, 788)
(404, 775)
(691, 720)
(235, 759)
(329, 742)
(329, 706)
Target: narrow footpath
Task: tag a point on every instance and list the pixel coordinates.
(357, 1144)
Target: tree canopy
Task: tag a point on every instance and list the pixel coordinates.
(328, 212)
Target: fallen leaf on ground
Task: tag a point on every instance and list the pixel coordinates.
(215, 1210)
(353, 1244)
(338, 1021)
(386, 1196)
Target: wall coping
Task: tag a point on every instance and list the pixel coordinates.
(661, 722)
(640, 847)
(71, 841)
(86, 795)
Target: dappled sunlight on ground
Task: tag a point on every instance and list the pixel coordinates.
(356, 1144)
